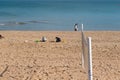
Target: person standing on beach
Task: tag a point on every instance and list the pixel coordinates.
(76, 27)
(44, 39)
(58, 39)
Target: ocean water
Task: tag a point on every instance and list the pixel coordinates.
(59, 15)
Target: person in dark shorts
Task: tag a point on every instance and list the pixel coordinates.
(58, 39)
(76, 27)
(44, 39)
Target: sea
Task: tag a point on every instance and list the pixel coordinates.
(59, 15)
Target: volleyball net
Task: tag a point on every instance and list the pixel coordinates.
(86, 54)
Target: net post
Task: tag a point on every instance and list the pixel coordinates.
(90, 75)
(82, 27)
(83, 65)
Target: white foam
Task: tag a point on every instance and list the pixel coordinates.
(2, 24)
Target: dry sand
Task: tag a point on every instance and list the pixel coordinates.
(21, 58)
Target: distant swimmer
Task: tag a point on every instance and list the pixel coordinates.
(76, 27)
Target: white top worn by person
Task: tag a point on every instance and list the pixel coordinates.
(44, 39)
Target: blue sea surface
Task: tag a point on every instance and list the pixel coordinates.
(59, 15)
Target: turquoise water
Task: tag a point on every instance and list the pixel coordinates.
(59, 15)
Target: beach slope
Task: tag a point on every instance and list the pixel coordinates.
(23, 57)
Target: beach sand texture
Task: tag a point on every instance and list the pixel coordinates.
(21, 58)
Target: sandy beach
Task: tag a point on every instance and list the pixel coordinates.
(22, 58)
